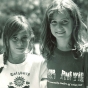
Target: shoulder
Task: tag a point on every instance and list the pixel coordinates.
(1, 56)
(36, 58)
(37, 62)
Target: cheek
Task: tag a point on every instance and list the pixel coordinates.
(52, 30)
(52, 27)
(26, 43)
(69, 28)
(12, 45)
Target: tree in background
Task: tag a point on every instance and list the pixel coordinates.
(28, 8)
(83, 5)
(33, 10)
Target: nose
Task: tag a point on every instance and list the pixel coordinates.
(59, 27)
(19, 43)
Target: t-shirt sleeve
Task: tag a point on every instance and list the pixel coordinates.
(43, 74)
(38, 72)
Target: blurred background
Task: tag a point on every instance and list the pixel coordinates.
(34, 11)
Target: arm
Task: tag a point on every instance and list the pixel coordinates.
(43, 75)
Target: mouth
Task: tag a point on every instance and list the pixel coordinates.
(20, 48)
(62, 32)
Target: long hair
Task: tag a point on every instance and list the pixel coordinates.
(48, 41)
(12, 26)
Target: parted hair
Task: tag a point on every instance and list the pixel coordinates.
(12, 26)
(47, 40)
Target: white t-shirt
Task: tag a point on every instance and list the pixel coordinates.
(24, 75)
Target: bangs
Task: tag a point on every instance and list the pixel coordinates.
(14, 28)
(61, 6)
(54, 11)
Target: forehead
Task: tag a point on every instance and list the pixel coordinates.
(60, 15)
(22, 32)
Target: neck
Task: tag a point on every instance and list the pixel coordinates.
(63, 44)
(16, 59)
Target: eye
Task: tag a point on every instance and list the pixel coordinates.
(65, 21)
(53, 22)
(14, 38)
(25, 38)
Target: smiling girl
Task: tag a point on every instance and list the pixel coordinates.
(61, 44)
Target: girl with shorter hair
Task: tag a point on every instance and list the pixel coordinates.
(19, 68)
(62, 39)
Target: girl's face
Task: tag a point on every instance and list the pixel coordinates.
(61, 25)
(19, 42)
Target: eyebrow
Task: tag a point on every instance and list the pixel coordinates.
(17, 34)
(67, 18)
(25, 34)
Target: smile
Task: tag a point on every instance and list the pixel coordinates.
(20, 48)
(60, 32)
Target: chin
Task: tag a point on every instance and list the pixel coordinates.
(20, 52)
